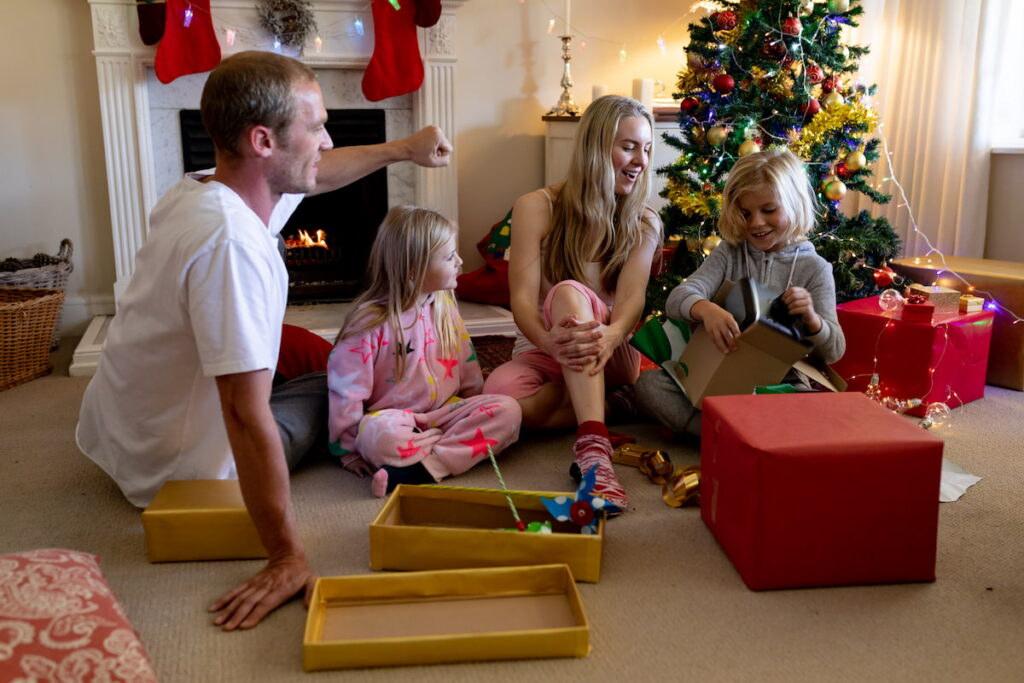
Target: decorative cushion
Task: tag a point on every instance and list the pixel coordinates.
(59, 621)
(488, 284)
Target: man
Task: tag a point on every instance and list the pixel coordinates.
(183, 387)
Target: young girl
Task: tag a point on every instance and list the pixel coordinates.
(403, 380)
(580, 257)
(767, 209)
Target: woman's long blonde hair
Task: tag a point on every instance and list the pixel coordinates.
(398, 264)
(589, 221)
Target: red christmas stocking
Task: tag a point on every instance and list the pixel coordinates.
(396, 67)
(187, 49)
(427, 12)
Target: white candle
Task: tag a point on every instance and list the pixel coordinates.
(599, 90)
(568, 12)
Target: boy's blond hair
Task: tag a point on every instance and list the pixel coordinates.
(779, 170)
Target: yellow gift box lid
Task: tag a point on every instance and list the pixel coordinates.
(448, 527)
(200, 519)
(455, 615)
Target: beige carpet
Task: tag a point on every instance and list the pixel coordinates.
(669, 606)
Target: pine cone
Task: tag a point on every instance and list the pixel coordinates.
(10, 265)
(40, 260)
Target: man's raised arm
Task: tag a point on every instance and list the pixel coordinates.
(344, 165)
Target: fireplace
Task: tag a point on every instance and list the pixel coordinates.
(139, 115)
(327, 240)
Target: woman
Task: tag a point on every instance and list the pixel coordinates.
(579, 261)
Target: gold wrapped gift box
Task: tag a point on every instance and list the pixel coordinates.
(1004, 280)
(203, 519)
(440, 527)
(945, 300)
(456, 615)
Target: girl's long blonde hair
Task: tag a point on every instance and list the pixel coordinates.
(398, 264)
(589, 221)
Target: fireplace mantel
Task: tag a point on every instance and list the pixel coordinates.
(135, 173)
(122, 63)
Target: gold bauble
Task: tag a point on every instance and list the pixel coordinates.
(716, 135)
(749, 147)
(806, 7)
(844, 52)
(839, 6)
(828, 179)
(832, 99)
(856, 160)
(709, 244)
(835, 190)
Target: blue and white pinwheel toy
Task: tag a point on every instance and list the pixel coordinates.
(583, 509)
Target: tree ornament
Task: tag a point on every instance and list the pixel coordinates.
(725, 20)
(856, 160)
(695, 61)
(844, 53)
(810, 108)
(724, 84)
(826, 180)
(884, 276)
(842, 171)
(814, 73)
(709, 244)
(832, 99)
(773, 47)
(791, 26)
(749, 147)
(838, 6)
(716, 135)
(290, 21)
(689, 105)
(835, 190)
(890, 299)
(806, 8)
(829, 84)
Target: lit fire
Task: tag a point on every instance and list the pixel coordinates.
(304, 240)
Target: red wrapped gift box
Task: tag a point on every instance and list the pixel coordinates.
(944, 360)
(846, 494)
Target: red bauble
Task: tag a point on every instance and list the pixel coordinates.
(689, 105)
(773, 48)
(723, 83)
(842, 171)
(884, 276)
(791, 26)
(725, 20)
(810, 107)
(814, 73)
(829, 84)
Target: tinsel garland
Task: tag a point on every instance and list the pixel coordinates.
(692, 203)
(290, 21)
(831, 119)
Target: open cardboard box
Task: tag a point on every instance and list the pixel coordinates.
(200, 519)
(763, 356)
(444, 616)
(440, 527)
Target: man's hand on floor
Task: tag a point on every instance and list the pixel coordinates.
(245, 605)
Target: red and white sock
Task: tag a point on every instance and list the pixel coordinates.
(594, 449)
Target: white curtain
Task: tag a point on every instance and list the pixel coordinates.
(937, 66)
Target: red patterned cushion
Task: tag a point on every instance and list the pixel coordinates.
(59, 621)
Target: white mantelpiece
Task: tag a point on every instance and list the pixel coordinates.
(124, 68)
(136, 109)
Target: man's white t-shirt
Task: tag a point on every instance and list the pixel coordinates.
(207, 298)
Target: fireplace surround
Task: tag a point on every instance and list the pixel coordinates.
(139, 115)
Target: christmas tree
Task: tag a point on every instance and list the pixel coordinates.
(763, 73)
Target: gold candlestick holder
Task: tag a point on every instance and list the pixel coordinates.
(566, 106)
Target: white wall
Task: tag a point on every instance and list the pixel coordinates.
(51, 158)
(508, 77)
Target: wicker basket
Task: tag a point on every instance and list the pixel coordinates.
(27, 318)
(43, 272)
